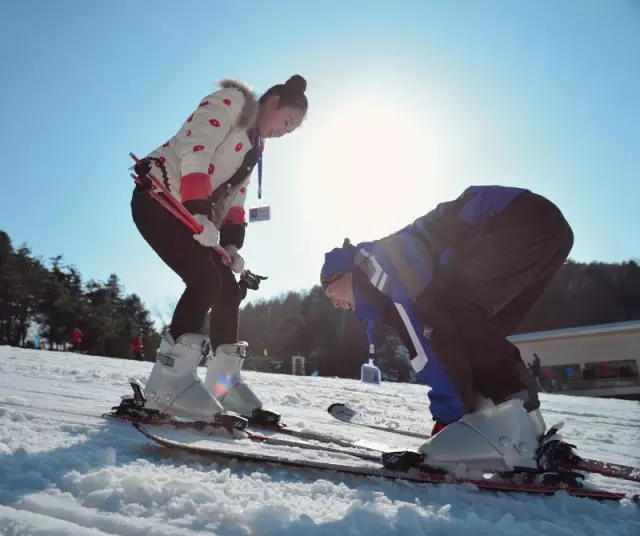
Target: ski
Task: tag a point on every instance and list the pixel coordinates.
(234, 426)
(345, 414)
(367, 456)
(377, 471)
(311, 435)
(614, 470)
(348, 415)
(132, 408)
(214, 430)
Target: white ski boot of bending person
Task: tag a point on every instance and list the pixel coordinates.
(224, 380)
(174, 387)
(491, 439)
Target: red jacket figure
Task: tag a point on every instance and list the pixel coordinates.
(76, 339)
(137, 347)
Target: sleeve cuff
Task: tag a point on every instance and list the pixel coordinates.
(236, 215)
(195, 186)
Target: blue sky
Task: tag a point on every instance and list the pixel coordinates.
(410, 102)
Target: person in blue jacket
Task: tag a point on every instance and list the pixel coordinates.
(454, 284)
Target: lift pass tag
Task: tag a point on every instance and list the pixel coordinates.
(260, 213)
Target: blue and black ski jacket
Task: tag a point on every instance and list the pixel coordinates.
(394, 271)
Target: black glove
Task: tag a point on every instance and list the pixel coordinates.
(251, 281)
(142, 169)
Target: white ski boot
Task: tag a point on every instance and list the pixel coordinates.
(225, 382)
(174, 388)
(491, 439)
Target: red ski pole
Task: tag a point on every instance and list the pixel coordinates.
(189, 222)
(170, 200)
(176, 208)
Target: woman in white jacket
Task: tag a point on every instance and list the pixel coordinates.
(206, 167)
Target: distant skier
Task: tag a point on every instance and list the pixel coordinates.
(536, 366)
(206, 166)
(76, 339)
(137, 348)
(454, 284)
(536, 371)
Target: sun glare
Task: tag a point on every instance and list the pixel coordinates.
(370, 156)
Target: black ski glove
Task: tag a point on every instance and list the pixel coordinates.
(251, 281)
(142, 169)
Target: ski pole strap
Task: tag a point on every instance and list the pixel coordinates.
(371, 338)
(259, 146)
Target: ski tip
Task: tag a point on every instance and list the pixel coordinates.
(141, 428)
(341, 412)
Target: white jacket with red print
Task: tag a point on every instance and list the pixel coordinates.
(213, 141)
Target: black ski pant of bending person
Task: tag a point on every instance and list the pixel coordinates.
(481, 295)
(209, 282)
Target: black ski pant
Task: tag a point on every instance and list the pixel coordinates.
(485, 290)
(210, 284)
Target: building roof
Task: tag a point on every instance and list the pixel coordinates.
(581, 331)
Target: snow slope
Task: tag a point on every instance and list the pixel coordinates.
(66, 471)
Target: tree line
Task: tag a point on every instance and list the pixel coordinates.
(51, 301)
(54, 298)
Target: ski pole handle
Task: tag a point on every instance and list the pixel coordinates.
(196, 227)
(176, 208)
(189, 222)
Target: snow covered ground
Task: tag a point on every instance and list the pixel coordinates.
(66, 471)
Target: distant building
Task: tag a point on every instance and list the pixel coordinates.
(601, 360)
